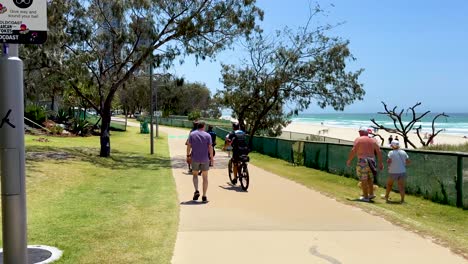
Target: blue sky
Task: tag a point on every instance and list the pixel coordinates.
(411, 50)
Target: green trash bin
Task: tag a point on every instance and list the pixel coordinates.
(144, 128)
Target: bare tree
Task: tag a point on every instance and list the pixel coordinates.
(402, 129)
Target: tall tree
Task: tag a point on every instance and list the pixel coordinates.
(289, 71)
(182, 99)
(110, 40)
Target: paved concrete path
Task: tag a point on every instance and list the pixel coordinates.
(279, 221)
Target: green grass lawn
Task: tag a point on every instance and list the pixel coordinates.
(121, 209)
(447, 224)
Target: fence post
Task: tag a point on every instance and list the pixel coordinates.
(459, 184)
(327, 160)
(276, 149)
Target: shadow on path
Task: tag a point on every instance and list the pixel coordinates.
(192, 202)
(232, 188)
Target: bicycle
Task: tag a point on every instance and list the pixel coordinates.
(242, 172)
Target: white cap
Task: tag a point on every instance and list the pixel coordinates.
(364, 129)
(395, 143)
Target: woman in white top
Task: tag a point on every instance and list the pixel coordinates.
(397, 161)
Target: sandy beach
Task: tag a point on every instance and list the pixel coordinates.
(350, 134)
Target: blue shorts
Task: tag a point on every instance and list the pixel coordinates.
(398, 176)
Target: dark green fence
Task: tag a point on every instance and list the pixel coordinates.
(439, 176)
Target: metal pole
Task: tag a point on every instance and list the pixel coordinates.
(156, 109)
(151, 109)
(12, 156)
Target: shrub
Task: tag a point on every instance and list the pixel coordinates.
(195, 115)
(35, 113)
(56, 130)
(63, 116)
(81, 127)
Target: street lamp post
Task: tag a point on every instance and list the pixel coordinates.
(151, 110)
(156, 109)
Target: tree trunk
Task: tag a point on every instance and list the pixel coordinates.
(105, 131)
(52, 104)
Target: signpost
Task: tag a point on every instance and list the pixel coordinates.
(21, 22)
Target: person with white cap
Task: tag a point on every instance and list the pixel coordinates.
(366, 148)
(397, 161)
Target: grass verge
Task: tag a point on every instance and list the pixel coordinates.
(446, 224)
(121, 209)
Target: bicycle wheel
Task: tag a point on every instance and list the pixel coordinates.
(244, 176)
(231, 173)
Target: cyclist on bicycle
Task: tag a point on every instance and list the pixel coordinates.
(238, 140)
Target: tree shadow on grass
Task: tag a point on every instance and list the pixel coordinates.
(118, 160)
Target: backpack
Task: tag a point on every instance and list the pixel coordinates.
(239, 142)
(213, 137)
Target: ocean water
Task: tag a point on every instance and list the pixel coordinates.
(456, 123)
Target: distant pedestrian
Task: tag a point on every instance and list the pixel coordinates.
(213, 139)
(199, 143)
(390, 139)
(397, 161)
(396, 138)
(366, 148)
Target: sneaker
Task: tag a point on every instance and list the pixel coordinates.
(371, 197)
(204, 199)
(234, 182)
(363, 199)
(196, 195)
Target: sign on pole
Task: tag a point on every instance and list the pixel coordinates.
(158, 113)
(23, 21)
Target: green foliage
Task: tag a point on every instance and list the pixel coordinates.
(102, 44)
(81, 127)
(63, 116)
(293, 69)
(35, 113)
(56, 130)
(195, 115)
(183, 99)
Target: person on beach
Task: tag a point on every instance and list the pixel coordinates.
(199, 143)
(396, 138)
(366, 148)
(397, 162)
(390, 139)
